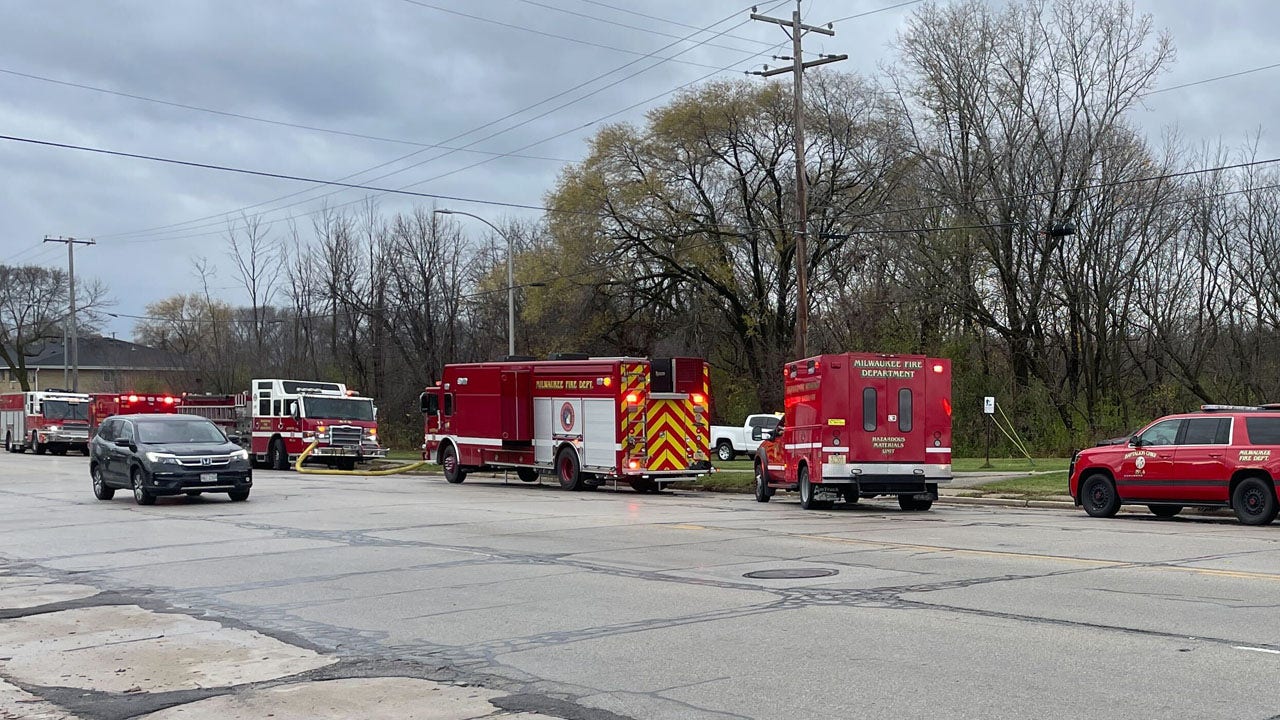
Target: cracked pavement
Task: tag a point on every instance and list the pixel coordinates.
(407, 597)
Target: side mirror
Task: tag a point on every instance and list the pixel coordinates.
(768, 434)
(234, 439)
(1135, 441)
(293, 410)
(429, 403)
(757, 433)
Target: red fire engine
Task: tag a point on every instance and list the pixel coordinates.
(587, 420)
(104, 405)
(859, 425)
(45, 421)
(277, 419)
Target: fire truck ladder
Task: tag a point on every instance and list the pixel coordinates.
(297, 465)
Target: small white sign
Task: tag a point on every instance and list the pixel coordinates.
(989, 405)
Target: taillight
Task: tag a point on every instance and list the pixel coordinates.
(632, 398)
(698, 398)
(634, 464)
(946, 406)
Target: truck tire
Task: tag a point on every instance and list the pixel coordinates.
(1099, 497)
(528, 475)
(763, 491)
(806, 493)
(8, 442)
(645, 485)
(1254, 501)
(36, 446)
(724, 451)
(568, 470)
(277, 458)
(453, 472)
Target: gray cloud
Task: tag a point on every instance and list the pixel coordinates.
(394, 69)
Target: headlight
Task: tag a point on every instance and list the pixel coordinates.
(240, 454)
(52, 429)
(163, 458)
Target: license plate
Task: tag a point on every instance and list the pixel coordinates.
(208, 477)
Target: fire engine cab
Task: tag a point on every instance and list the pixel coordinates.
(858, 425)
(45, 421)
(585, 420)
(277, 419)
(104, 405)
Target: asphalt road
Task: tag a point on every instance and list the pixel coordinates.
(613, 604)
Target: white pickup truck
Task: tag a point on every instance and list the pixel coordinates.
(728, 441)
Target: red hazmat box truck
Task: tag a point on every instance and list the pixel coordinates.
(859, 425)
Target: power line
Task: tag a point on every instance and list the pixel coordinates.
(257, 119)
(1212, 79)
(544, 33)
(477, 164)
(222, 216)
(266, 174)
(677, 23)
(877, 10)
(1077, 188)
(606, 21)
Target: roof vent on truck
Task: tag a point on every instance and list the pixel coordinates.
(568, 356)
(517, 358)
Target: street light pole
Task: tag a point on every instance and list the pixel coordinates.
(511, 282)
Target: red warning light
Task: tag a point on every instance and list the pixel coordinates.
(946, 406)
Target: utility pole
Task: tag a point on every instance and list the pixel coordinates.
(71, 243)
(796, 31)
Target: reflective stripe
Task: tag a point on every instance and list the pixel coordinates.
(803, 446)
(937, 450)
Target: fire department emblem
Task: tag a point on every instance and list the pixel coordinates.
(1140, 462)
(566, 416)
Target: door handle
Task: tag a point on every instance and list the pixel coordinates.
(1164, 456)
(1215, 455)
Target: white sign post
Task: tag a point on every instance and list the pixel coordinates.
(989, 408)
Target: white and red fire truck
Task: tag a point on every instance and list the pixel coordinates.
(104, 405)
(585, 420)
(45, 421)
(277, 419)
(858, 425)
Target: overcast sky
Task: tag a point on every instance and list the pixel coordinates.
(409, 75)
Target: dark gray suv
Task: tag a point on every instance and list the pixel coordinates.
(166, 455)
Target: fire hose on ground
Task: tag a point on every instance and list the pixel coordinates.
(297, 465)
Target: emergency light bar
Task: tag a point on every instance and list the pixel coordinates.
(1270, 407)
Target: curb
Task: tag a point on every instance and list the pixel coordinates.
(1007, 502)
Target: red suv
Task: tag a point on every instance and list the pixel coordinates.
(1225, 456)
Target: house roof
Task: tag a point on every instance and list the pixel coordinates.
(107, 353)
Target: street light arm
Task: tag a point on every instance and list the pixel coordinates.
(445, 211)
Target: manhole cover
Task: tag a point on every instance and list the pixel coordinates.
(791, 573)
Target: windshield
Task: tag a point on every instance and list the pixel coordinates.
(163, 432)
(327, 408)
(64, 410)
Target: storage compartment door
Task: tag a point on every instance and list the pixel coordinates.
(516, 406)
